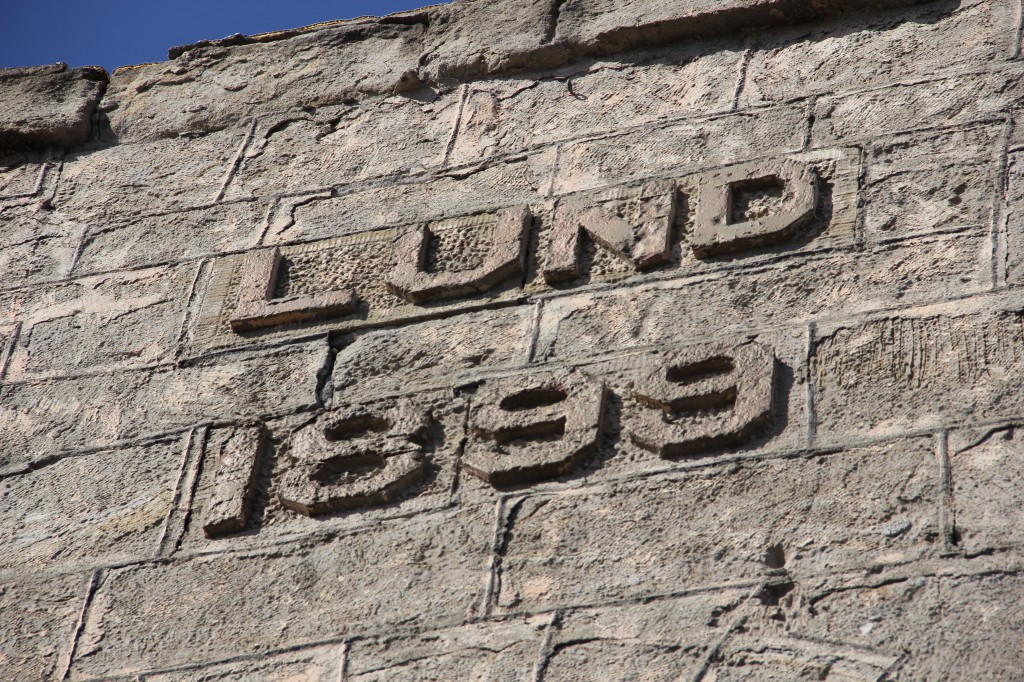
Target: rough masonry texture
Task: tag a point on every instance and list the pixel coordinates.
(535, 340)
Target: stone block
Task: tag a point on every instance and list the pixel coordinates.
(373, 138)
(1014, 209)
(441, 353)
(505, 115)
(985, 467)
(25, 174)
(269, 521)
(48, 106)
(941, 181)
(208, 87)
(902, 47)
(473, 38)
(120, 321)
(36, 246)
(311, 664)
(40, 616)
(665, 639)
(949, 627)
(502, 651)
(920, 370)
(111, 183)
(607, 26)
(749, 658)
(89, 510)
(742, 301)
(173, 237)
(425, 570)
(43, 418)
(473, 190)
(687, 146)
(741, 521)
(937, 103)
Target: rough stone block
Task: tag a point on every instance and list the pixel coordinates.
(425, 570)
(25, 174)
(239, 462)
(472, 38)
(39, 621)
(916, 371)
(48, 106)
(793, 292)
(510, 114)
(688, 146)
(938, 103)
(662, 640)
(607, 26)
(746, 659)
(88, 510)
(114, 322)
(738, 521)
(36, 246)
(1014, 209)
(474, 190)
(188, 234)
(504, 651)
(903, 46)
(394, 136)
(211, 87)
(985, 468)
(917, 184)
(437, 353)
(938, 628)
(42, 418)
(110, 183)
(311, 664)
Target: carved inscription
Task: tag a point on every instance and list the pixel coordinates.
(257, 308)
(355, 456)
(381, 275)
(522, 429)
(644, 244)
(753, 205)
(230, 503)
(533, 429)
(411, 279)
(703, 398)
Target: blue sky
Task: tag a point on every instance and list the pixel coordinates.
(112, 33)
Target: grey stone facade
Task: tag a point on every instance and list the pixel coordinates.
(543, 340)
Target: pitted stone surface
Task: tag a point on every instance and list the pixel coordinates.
(550, 340)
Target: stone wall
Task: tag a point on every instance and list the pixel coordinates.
(544, 340)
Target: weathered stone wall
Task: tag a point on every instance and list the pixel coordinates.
(544, 340)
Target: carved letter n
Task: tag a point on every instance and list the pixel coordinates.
(643, 245)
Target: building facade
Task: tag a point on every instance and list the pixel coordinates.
(540, 340)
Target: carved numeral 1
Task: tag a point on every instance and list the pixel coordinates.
(230, 503)
(529, 429)
(703, 398)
